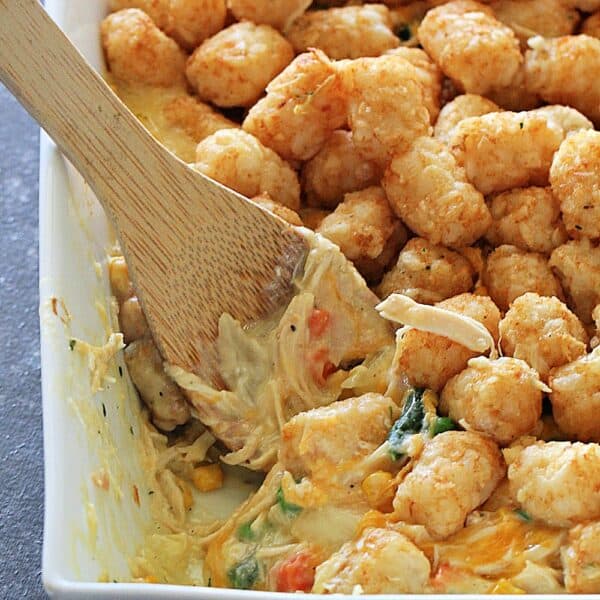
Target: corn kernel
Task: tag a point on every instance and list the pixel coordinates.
(379, 490)
(208, 477)
(119, 278)
(372, 518)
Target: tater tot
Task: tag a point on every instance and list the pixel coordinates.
(527, 18)
(285, 213)
(457, 471)
(511, 272)
(564, 71)
(386, 105)
(303, 106)
(501, 398)
(428, 273)
(504, 150)
(164, 399)
(575, 179)
(278, 14)
(576, 397)
(157, 10)
(233, 67)
(577, 265)
(348, 32)
(556, 482)
(471, 46)
(462, 107)
(239, 161)
(429, 360)
(429, 74)
(380, 561)
(528, 218)
(591, 26)
(197, 119)
(581, 559)
(366, 230)
(360, 424)
(189, 22)
(543, 332)
(138, 51)
(337, 169)
(431, 194)
(192, 21)
(565, 117)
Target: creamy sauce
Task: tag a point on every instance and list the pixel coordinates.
(148, 104)
(289, 363)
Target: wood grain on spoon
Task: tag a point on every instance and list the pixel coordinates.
(195, 249)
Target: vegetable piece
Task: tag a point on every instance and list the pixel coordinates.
(442, 424)
(208, 477)
(287, 508)
(409, 422)
(297, 573)
(379, 489)
(245, 533)
(317, 322)
(523, 515)
(244, 574)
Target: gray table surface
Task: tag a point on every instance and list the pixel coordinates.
(21, 456)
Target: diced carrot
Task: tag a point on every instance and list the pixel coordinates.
(297, 573)
(328, 369)
(320, 365)
(318, 322)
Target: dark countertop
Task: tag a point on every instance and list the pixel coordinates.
(21, 455)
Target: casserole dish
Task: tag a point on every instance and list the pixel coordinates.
(92, 424)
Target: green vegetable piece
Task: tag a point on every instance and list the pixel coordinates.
(244, 574)
(72, 344)
(245, 533)
(409, 422)
(442, 424)
(287, 508)
(523, 515)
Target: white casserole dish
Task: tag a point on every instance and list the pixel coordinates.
(90, 534)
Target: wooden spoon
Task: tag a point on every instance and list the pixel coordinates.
(195, 249)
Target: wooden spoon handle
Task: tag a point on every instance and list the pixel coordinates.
(194, 248)
(57, 86)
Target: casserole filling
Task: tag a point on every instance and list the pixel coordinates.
(442, 159)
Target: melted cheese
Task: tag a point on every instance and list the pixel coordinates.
(147, 103)
(100, 358)
(499, 544)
